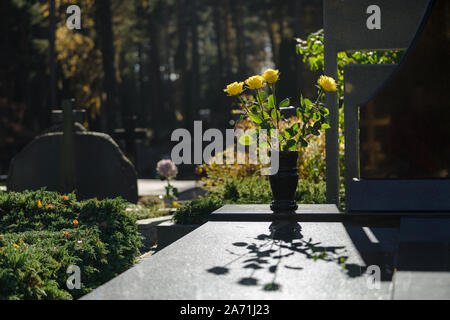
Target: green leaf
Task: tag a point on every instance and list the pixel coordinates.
(316, 116)
(287, 133)
(307, 102)
(245, 139)
(262, 95)
(271, 101)
(285, 103)
(274, 114)
(291, 145)
(256, 118)
(299, 115)
(325, 126)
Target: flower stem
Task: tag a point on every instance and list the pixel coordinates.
(272, 88)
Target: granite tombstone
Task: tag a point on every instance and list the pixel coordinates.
(361, 25)
(89, 163)
(403, 156)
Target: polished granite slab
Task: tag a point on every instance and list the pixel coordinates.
(244, 260)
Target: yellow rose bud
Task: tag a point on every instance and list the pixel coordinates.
(271, 76)
(327, 83)
(255, 82)
(234, 88)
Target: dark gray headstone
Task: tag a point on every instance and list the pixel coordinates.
(405, 132)
(101, 169)
(368, 24)
(404, 143)
(361, 25)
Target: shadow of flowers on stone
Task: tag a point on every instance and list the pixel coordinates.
(269, 252)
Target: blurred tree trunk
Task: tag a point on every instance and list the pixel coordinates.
(271, 33)
(241, 54)
(181, 62)
(195, 72)
(281, 19)
(167, 64)
(103, 25)
(141, 113)
(298, 34)
(219, 103)
(155, 66)
(52, 60)
(228, 35)
(218, 32)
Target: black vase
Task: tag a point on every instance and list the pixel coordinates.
(284, 183)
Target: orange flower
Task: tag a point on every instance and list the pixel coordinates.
(49, 206)
(75, 222)
(65, 198)
(16, 245)
(39, 203)
(66, 234)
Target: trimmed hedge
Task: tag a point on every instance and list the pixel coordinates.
(248, 190)
(197, 211)
(42, 233)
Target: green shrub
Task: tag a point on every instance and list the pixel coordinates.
(33, 264)
(256, 190)
(198, 210)
(249, 190)
(110, 237)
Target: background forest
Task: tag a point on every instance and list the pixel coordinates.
(164, 61)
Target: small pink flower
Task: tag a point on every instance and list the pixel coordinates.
(167, 169)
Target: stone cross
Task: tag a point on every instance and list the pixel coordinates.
(130, 134)
(68, 149)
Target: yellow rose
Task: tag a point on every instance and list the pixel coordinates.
(255, 82)
(271, 76)
(327, 83)
(234, 88)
